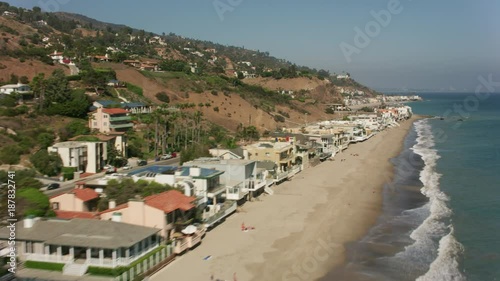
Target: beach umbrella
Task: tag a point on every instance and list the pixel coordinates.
(189, 229)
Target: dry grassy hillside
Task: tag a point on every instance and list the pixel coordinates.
(29, 68)
(293, 84)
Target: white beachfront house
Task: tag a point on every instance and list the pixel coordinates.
(241, 177)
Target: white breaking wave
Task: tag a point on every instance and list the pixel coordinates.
(435, 226)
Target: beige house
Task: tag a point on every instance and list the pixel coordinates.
(106, 120)
(281, 153)
(118, 140)
(88, 157)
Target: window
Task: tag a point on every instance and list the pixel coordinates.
(268, 154)
(55, 205)
(105, 123)
(95, 124)
(105, 116)
(28, 247)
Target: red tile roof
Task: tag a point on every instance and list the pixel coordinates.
(85, 194)
(167, 202)
(114, 110)
(71, 215)
(170, 201)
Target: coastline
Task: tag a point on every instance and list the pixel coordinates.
(300, 231)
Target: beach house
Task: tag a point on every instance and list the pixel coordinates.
(242, 178)
(202, 183)
(170, 211)
(77, 243)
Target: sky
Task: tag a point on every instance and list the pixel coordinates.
(384, 44)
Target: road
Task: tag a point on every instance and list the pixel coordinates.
(67, 186)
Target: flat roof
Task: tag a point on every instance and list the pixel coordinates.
(82, 233)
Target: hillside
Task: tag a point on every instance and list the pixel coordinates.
(189, 71)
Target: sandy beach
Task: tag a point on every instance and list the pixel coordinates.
(301, 230)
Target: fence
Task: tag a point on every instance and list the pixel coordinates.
(142, 268)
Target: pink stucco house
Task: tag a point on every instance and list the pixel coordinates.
(162, 211)
(77, 203)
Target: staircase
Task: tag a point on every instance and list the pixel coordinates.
(268, 190)
(74, 269)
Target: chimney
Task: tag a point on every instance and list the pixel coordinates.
(28, 222)
(111, 204)
(245, 154)
(117, 217)
(194, 171)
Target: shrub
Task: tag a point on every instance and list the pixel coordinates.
(216, 109)
(134, 89)
(44, 265)
(329, 110)
(279, 118)
(215, 93)
(163, 97)
(10, 154)
(45, 163)
(68, 172)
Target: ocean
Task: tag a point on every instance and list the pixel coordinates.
(440, 219)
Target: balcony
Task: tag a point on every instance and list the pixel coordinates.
(236, 192)
(120, 118)
(214, 191)
(121, 126)
(223, 210)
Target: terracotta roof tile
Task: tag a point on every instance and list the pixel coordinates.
(85, 194)
(114, 110)
(71, 215)
(170, 200)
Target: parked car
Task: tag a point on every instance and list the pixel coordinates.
(110, 170)
(127, 167)
(53, 186)
(174, 154)
(142, 162)
(166, 156)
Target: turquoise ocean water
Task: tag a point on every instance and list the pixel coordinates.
(441, 214)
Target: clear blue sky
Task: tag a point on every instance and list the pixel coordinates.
(428, 45)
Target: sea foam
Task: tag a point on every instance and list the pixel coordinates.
(437, 226)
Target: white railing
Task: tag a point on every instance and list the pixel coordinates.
(106, 262)
(50, 258)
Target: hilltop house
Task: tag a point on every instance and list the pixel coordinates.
(118, 140)
(133, 107)
(15, 88)
(106, 120)
(88, 157)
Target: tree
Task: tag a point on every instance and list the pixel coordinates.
(32, 202)
(45, 163)
(240, 75)
(14, 79)
(163, 97)
(24, 80)
(45, 140)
